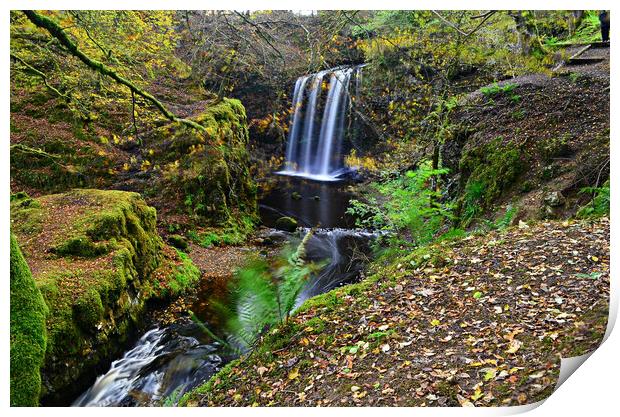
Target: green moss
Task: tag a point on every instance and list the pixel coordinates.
(81, 246)
(487, 171)
(88, 309)
(28, 334)
(185, 275)
(114, 235)
(210, 171)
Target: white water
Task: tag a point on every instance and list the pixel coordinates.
(317, 130)
(164, 362)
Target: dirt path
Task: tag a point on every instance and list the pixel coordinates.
(483, 322)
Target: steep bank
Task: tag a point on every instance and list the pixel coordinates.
(194, 179)
(97, 259)
(532, 143)
(477, 321)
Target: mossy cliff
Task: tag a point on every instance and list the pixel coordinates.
(28, 335)
(208, 174)
(96, 257)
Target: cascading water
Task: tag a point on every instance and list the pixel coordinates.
(169, 361)
(315, 141)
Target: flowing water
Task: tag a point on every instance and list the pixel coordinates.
(316, 146)
(168, 361)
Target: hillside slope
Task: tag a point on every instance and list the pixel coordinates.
(482, 321)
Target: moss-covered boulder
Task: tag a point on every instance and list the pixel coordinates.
(208, 172)
(287, 224)
(28, 335)
(96, 257)
(178, 242)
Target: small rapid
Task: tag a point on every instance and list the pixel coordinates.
(164, 364)
(167, 362)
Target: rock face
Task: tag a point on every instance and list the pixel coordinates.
(554, 199)
(96, 257)
(533, 147)
(28, 335)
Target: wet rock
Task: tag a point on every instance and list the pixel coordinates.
(554, 199)
(287, 224)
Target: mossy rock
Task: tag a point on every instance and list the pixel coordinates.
(211, 170)
(88, 310)
(178, 242)
(28, 334)
(95, 254)
(287, 224)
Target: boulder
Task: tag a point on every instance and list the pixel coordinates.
(96, 258)
(554, 199)
(287, 224)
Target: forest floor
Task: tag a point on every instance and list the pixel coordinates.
(479, 321)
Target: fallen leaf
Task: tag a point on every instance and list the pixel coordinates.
(293, 374)
(514, 346)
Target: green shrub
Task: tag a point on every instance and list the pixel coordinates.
(599, 205)
(410, 205)
(506, 89)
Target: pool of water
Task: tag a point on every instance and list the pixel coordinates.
(311, 203)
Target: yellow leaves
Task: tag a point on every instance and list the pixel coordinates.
(464, 402)
(125, 166)
(293, 374)
(490, 374)
(477, 394)
(145, 165)
(594, 258)
(364, 162)
(435, 322)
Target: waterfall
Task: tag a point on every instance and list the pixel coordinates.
(298, 97)
(317, 129)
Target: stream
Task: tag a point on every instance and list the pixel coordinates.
(168, 361)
